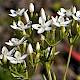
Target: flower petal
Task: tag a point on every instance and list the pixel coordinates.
(1, 56)
(41, 30)
(4, 50)
(24, 56)
(13, 15)
(20, 61)
(66, 22)
(10, 58)
(76, 18)
(11, 52)
(9, 43)
(48, 28)
(17, 54)
(48, 23)
(20, 23)
(41, 20)
(13, 62)
(36, 26)
(21, 12)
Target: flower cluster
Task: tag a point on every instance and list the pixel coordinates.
(30, 25)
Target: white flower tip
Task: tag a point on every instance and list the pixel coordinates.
(42, 37)
(31, 7)
(57, 53)
(37, 46)
(43, 14)
(26, 16)
(4, 50)
(29, 49)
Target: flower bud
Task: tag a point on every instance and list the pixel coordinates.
(63, 29)
(31, 7)
(37, 46)
(29, 49)
(4, 50)
(43, 14)
(42, 37)
(26, 16)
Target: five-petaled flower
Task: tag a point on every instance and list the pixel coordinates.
(16, 42)
(17, 13)
(42, 26)
(20, 25)
(60, 21)
(17, 58)
(64, 12)
(6, 53)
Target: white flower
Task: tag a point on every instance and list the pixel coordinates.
(61, 21)
(6, 53)
(20, 25)
(16, 13)
(17, 58)
(26, 16)
(31, 7)
(15, 41)
(42, 26)
(76, 16)
(64, 12)
(43, 14)
(29, 49)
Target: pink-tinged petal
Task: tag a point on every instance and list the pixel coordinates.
(10, 58)
(13, 62)
(41, 20)
(1, 56)
(41, 30)
(48, 23)
(36, 26)
(48, 28)
(24, 56)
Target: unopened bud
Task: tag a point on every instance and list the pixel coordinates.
(31, 7)
(43, 14)
(37, 46)
(42, 37)
(26, 16)
(29, 49)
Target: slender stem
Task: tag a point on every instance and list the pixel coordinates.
(48, 73)
(71, 46)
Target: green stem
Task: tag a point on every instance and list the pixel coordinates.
(71, 46)
(48, 73)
